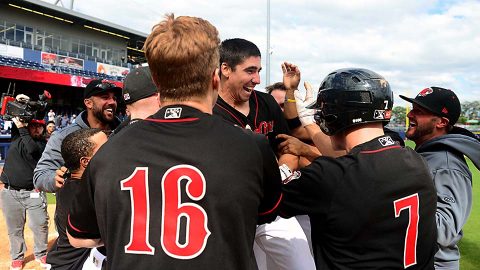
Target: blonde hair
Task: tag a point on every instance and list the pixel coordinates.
(182, 54)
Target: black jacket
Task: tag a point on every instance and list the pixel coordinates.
(22, 157)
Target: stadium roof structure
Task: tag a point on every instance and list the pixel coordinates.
(135, 39)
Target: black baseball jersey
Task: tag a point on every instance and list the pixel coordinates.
(180, 190)
(265, 116)
(373, 208)
(62, 255)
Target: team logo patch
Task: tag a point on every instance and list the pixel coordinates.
(382, 114)
(379, 114)
(173, 113)
(386, 141)
(126, 96)
(426, 91)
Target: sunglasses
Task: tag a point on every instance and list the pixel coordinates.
(105, 85)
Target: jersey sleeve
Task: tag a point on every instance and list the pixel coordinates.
(271, 183)
(311, 190)
(82, 219)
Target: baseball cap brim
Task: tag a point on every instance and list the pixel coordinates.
(411, 100)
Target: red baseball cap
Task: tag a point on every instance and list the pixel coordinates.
(36, 121)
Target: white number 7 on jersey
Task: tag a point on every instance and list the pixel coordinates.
(410, 249)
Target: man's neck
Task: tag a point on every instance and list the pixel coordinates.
(241, 106)
(428, 137)
(93, 122)
(362, 134)
(77, 174)
(142, 109)
(202, 104)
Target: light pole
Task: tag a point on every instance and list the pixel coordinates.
(267, 60)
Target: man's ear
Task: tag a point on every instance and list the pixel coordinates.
(84, 162)
(216, 79)
(225, 70)
(88, 103)
(442, 122)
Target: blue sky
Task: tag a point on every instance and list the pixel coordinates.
(412, 43)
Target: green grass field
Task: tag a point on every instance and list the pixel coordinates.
(470, 243)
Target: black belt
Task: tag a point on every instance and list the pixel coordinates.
(17, 188)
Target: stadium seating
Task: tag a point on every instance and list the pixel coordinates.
(17, 62)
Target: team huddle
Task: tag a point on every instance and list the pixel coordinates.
(207, 172)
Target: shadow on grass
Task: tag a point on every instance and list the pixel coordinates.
(470, 254)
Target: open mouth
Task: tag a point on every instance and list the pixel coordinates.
(248, 89)
(412, 124)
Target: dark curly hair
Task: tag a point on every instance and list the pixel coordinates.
(77, 145)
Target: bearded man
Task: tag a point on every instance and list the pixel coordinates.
(100, 100)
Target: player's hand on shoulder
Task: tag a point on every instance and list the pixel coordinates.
(291, 145)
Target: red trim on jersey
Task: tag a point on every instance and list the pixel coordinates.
(274, 207)
(380, 150)
(240, 121)
(182, 120)
(73, 227)
(231, 114)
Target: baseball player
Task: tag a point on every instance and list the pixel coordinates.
(281, 244)
(77, 150)
(181, 189)
(140, 96)
(373, 208)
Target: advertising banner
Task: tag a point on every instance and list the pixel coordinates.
(61, 60)
(11, 51)
(112, 70)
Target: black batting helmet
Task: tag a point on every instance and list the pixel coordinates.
(352, 96)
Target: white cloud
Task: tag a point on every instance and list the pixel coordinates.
(414, 44)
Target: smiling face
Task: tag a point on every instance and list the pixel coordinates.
(241, 80)
(103, 106)
(424, 125)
